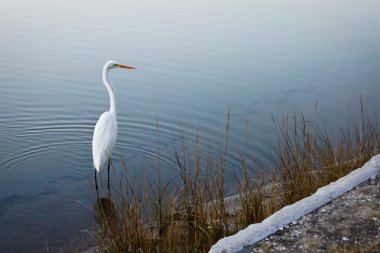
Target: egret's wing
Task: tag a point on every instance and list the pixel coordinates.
(104, 139)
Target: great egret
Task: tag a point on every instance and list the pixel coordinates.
(105, 131)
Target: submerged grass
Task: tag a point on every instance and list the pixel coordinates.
(192, 215)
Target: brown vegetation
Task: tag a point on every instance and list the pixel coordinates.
(193, 216)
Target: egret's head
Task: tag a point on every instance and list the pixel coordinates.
(113, 64)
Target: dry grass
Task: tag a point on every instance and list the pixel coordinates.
(192, 215)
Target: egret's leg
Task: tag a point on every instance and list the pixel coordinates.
(108, 171)
(96, 183)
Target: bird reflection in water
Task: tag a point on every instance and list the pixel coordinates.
(104, 211)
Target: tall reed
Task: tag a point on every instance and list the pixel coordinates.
(190, 216)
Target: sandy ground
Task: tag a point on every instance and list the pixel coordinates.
(350, 223)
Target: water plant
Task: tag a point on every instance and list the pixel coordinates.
(192, 214)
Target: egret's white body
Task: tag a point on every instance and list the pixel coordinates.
(104, 140)
(105, 132)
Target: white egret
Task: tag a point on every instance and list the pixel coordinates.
(105, 131)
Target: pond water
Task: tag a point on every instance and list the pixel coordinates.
(195, 61)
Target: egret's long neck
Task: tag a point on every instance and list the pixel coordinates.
(110, 90)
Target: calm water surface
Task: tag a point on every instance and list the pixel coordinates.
(195, 60)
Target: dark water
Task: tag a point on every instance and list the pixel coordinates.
(195, 60)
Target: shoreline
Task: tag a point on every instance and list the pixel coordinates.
(258, 231)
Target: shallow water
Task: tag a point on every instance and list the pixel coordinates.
(195, 60)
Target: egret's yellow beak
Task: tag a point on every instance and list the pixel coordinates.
(124, 66)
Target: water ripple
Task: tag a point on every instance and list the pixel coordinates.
(25, 154)
(7, 200)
